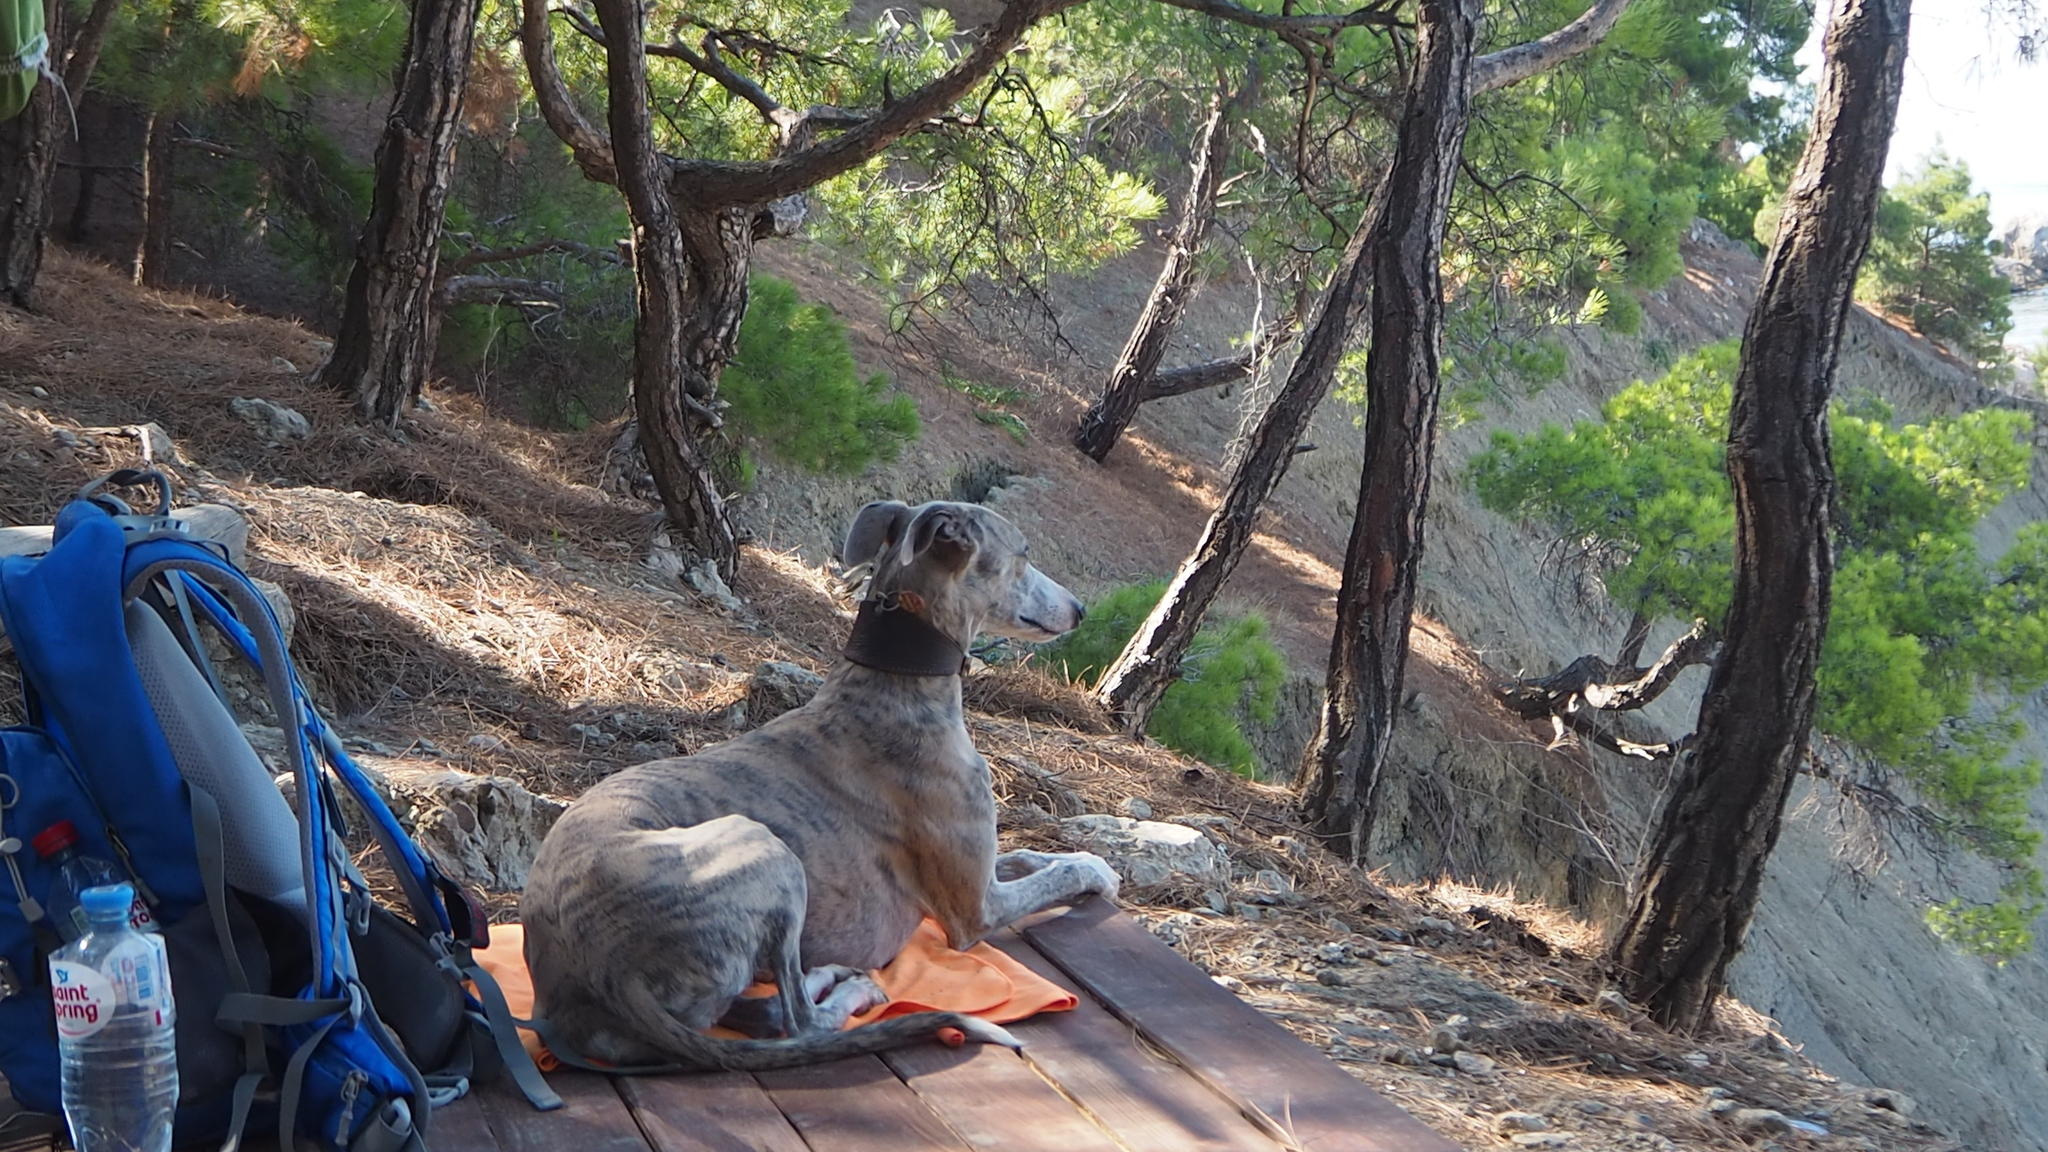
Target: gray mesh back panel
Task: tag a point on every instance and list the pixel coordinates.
(262, 851)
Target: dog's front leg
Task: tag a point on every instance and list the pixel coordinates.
(1025, 882)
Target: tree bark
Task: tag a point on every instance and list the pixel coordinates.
(690, 270)
(1697, 889)
(1132, 687)
(1519, 63)
(695, 222)
(159, 163)
(385, 345)
(29, 144)
(1341, 769)
(1608, 686)
(82, 55)
(1126, 387)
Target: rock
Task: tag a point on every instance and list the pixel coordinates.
(1173, 929)
(283, 367)
(280, 606)
(703, 576)
(592, 736)
(156, 444)
(481, 830)
(1445, 1038)
(1145, 852)
(1439, 926)
(2026, 243)
(1329, 978)
(778, 686)
(1759, 1121)
(1333, 953)
(1387, 932)
(1698, 1059)
(1888, 1098)
(39, 392)
(1270, 887)
(1541, 1140)
(1402, 1055)
(1213, 824)
(1591, 1107)
(273, 423)
(1473, 1064)
(1612, 1003)
(1231, 984)
(1135, 808)
(487, 742)
(1291, 848)
(1508, 1122)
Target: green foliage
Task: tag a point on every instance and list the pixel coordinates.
(1001, 188)
(1232, 674)
(1926, 638)
(995, 399)
(1930, 260)
(796, 392)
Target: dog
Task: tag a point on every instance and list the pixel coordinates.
(808, 850)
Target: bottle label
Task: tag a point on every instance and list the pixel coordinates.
(85, 998)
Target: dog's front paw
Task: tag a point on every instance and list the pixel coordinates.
(1102, 879)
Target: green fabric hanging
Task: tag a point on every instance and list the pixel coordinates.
(24, 53)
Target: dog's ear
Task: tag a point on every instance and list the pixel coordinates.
(942, 533)
(876, 527)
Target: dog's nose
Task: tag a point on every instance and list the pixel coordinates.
(1080, 613)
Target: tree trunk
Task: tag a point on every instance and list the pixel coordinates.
(29, 144)
(691, 273)
(1698, 886)
(1133, 686)
(386, 342)
(1340, 771)
(159, 161)
(1128, 381)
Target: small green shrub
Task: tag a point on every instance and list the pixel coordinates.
(1232, 674)
(795, 392)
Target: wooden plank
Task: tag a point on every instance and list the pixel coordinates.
(993, 1099)
(1232, 1046)
(1148, 1102)
(856, 1105)
(461, 1127)
(708, 1112)
(592, 1118)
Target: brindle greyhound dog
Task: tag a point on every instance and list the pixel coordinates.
(807, 850)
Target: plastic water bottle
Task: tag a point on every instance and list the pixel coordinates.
(116, 1031)
(58, 847)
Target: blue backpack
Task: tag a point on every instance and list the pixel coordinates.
(300, 1001)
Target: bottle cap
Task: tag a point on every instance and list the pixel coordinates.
(108, 902)
(54, 839)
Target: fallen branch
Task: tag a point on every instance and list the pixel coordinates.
(1604, 686)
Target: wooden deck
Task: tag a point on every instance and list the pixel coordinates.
(1157, 1058)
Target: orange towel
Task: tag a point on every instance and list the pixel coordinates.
(926, 976)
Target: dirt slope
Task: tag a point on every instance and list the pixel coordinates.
(467, 598)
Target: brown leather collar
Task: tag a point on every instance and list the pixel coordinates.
(888, 637)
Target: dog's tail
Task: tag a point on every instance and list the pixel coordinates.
(694, 1049)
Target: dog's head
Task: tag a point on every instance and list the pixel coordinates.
(968, 566)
